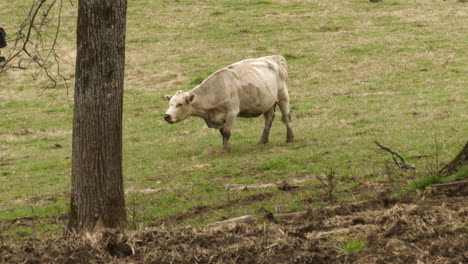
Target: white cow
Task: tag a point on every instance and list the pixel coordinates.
(248, 88)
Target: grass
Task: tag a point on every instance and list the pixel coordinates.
(393, 71)
(435, 178)
(352, 245)
(422, 183)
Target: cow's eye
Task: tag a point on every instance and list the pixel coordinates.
(178, 105)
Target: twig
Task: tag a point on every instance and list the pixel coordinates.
(397, 159)
(28, 35)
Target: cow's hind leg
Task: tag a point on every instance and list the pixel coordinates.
(286, 113)
(269, 116)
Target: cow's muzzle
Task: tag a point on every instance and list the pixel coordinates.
(168, 118)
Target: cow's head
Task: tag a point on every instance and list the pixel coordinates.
(180, 106)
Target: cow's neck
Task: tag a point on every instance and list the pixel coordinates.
(199, 110)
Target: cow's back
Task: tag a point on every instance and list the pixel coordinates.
(259, 82)
(251, 86)
(275, 64)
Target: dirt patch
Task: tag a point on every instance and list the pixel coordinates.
(6, 161)
(413, 229)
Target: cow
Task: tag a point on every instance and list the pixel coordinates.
(248, 88)
(2, 38)
(2, 42)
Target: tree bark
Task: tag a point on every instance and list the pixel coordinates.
(97, 196)
(460, 160)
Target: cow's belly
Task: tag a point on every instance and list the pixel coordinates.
(257, 109)
(249, 114)
(254, 101)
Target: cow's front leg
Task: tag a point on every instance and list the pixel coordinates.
(226, 131)
(226, 135)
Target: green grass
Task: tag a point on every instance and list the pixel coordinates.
(352, 246)
(422, 183)
(393, 72)
(436, 178)
(462, 173)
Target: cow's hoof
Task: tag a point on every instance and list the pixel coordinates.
(226, 150)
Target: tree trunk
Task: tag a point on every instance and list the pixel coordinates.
(460, 160)
(97, 196)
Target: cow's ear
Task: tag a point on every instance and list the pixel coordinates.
(191, 98)
(168, 97)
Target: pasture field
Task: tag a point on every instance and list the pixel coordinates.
(393, 72)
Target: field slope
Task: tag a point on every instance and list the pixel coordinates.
(393, 72)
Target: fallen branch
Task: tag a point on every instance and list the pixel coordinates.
(397, 159)
(248, 186)
(455, 188)
(240, 219)
(144, 191)
(282, 185)
(251, 218)
(418, 156)
(461, 182)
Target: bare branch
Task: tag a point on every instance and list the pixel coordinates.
(33, 45)
(397, 159)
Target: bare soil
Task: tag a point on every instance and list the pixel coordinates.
(426, 228)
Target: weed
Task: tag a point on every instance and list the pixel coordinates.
(352, 246)
(330, 181)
